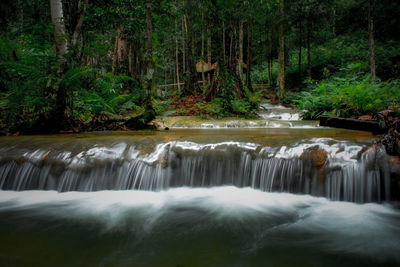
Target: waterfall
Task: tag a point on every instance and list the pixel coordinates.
(346, 172)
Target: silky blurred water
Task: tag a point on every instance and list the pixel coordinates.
(220, 226)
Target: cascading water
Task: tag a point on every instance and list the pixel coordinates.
(200, 197)
(346, 171)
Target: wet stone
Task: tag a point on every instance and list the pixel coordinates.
(317, 156)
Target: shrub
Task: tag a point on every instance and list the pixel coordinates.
(216, 108)
(351, 96)
(240, 106)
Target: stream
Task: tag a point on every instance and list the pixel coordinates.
(275, 191)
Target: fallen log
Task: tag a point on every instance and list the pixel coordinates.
(352, 124)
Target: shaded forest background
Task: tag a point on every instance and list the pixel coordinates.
(93, 64)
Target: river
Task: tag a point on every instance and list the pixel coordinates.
(274, 192)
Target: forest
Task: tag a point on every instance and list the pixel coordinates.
(86, 65)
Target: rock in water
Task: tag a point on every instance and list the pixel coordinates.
(317, 156)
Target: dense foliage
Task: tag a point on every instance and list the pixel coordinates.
(352, 96)
(123, 58)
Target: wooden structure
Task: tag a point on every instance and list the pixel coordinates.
(202, 66)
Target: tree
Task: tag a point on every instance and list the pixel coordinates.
(63, 45)
(190, 74)
(60, 33)
(371, 38)
(149, 50)
(281, 56)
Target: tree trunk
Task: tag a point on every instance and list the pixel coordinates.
(241, 50)
(300, 37)
(334, 22)
(281, 56)
(209, 55)
(184, 32)
(58, 117)
(249, 54)
(269, 55)
(177, 80)
(223, 42)
(309, 47)
(60, 34)
(191, 84)
(371, 8)
(300, 45)
(177, 63)
(203, 77)
(114, 56)
(130, 68)
(79, 23)
(230, 51)
(21, 16)
(120, 59)
(234, 69)
(149, 51)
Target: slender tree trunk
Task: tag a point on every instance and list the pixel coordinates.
(300, 43)
(165, 79)
(177, 54)
(203, 77)
(241, 49)
(60, 34)
(334, 22)
(122, 52)
(149, 51)
(281, 56)
(249, 54)
(269, 70)
(371, 11)
(21, 16)
(58, 117)
(223, 42)
(177, 63)
(230, 51)
(309, 47)
(130, 68)
(174, 78)
(191, 84)
(268, 52)
(114, 56)
(184, 31)
(209, 55)
(234, 68)
(273, 30)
